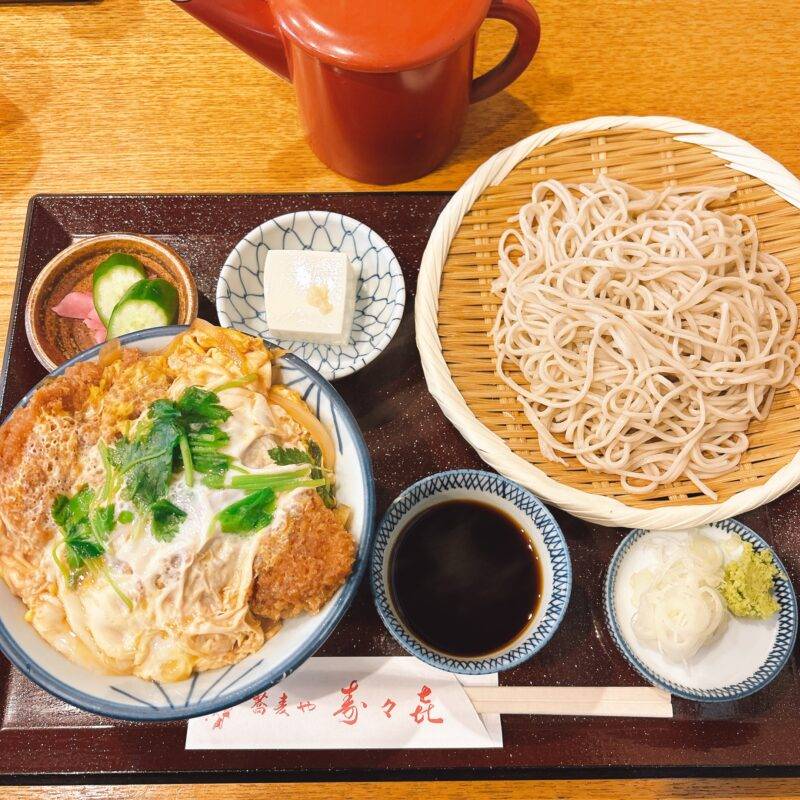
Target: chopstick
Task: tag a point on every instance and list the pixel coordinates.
(586, 701)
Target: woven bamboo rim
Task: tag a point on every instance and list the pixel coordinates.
(641, 154)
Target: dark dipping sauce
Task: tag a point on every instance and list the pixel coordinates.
(465, 578)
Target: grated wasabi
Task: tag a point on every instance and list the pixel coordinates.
(748, 582)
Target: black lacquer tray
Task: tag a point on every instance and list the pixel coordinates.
(42, 739)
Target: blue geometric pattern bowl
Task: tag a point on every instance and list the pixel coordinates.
(520, 505)
(132, 698)
(380, 298)
(766, 644)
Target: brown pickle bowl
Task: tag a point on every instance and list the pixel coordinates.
(55, 339)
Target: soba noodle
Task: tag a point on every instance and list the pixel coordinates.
(641, 330)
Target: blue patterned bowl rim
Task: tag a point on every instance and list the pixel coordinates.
(380, 342)
(556, 550)
(765, 674)
(36, 673)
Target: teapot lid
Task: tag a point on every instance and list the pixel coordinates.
(379, 35)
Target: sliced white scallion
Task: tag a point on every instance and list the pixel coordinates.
(678, 606)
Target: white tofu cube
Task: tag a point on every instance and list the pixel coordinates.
(310, 296)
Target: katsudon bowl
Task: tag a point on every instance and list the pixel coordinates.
(133, 698)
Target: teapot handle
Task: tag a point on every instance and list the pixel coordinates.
(521, 14)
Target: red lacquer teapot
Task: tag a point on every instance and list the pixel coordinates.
(382, 85)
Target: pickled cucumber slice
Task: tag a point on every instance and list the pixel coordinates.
(111, 280)
(146, 304)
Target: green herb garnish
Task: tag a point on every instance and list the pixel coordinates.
(325, 491)
(146, 461)
(205, 445)
(125, 517)
(284, 456)
(248, 515)
(85, 528)
(111, 482)
(167, 518)
(174, 435)
(201, 440)
(280, 482)
(70, 511)
(80, 547)
(200, 405)
(185, 434)
(102, 521)
(186, 458)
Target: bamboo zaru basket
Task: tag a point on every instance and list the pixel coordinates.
(455, 308)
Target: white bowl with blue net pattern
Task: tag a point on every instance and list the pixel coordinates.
(380, 297)
(521, 506)
(132, 698)
(745, 658)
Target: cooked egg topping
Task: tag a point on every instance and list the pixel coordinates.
(123, 595)
(189, 595)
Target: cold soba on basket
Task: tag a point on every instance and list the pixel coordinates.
(641, 330)
(469, 320)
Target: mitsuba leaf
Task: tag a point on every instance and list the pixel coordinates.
(81, 545)
(205, 445)
(167, 518)
(85, 530)
(102, 521)
(163, 409)
(146, 461)
(250, 514)
(326, 491)
(283, 456)
(175, 435)
(68, 511)
(198, 405)
(215, 478)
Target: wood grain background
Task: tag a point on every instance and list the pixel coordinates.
(413, 790)
(136, 96)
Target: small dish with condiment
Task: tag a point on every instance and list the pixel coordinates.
(470, 572)
(709, 614)
(379, 288)
(56, 338)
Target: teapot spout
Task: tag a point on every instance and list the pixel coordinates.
(248, 24)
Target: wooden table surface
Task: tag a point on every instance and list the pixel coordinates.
(136, 96)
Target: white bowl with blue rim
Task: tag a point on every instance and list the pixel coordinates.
(380, 297)
(746, 657)
(133, 698)
(532, 516)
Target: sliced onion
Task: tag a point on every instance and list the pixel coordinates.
(678, 607)
(296, 408)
